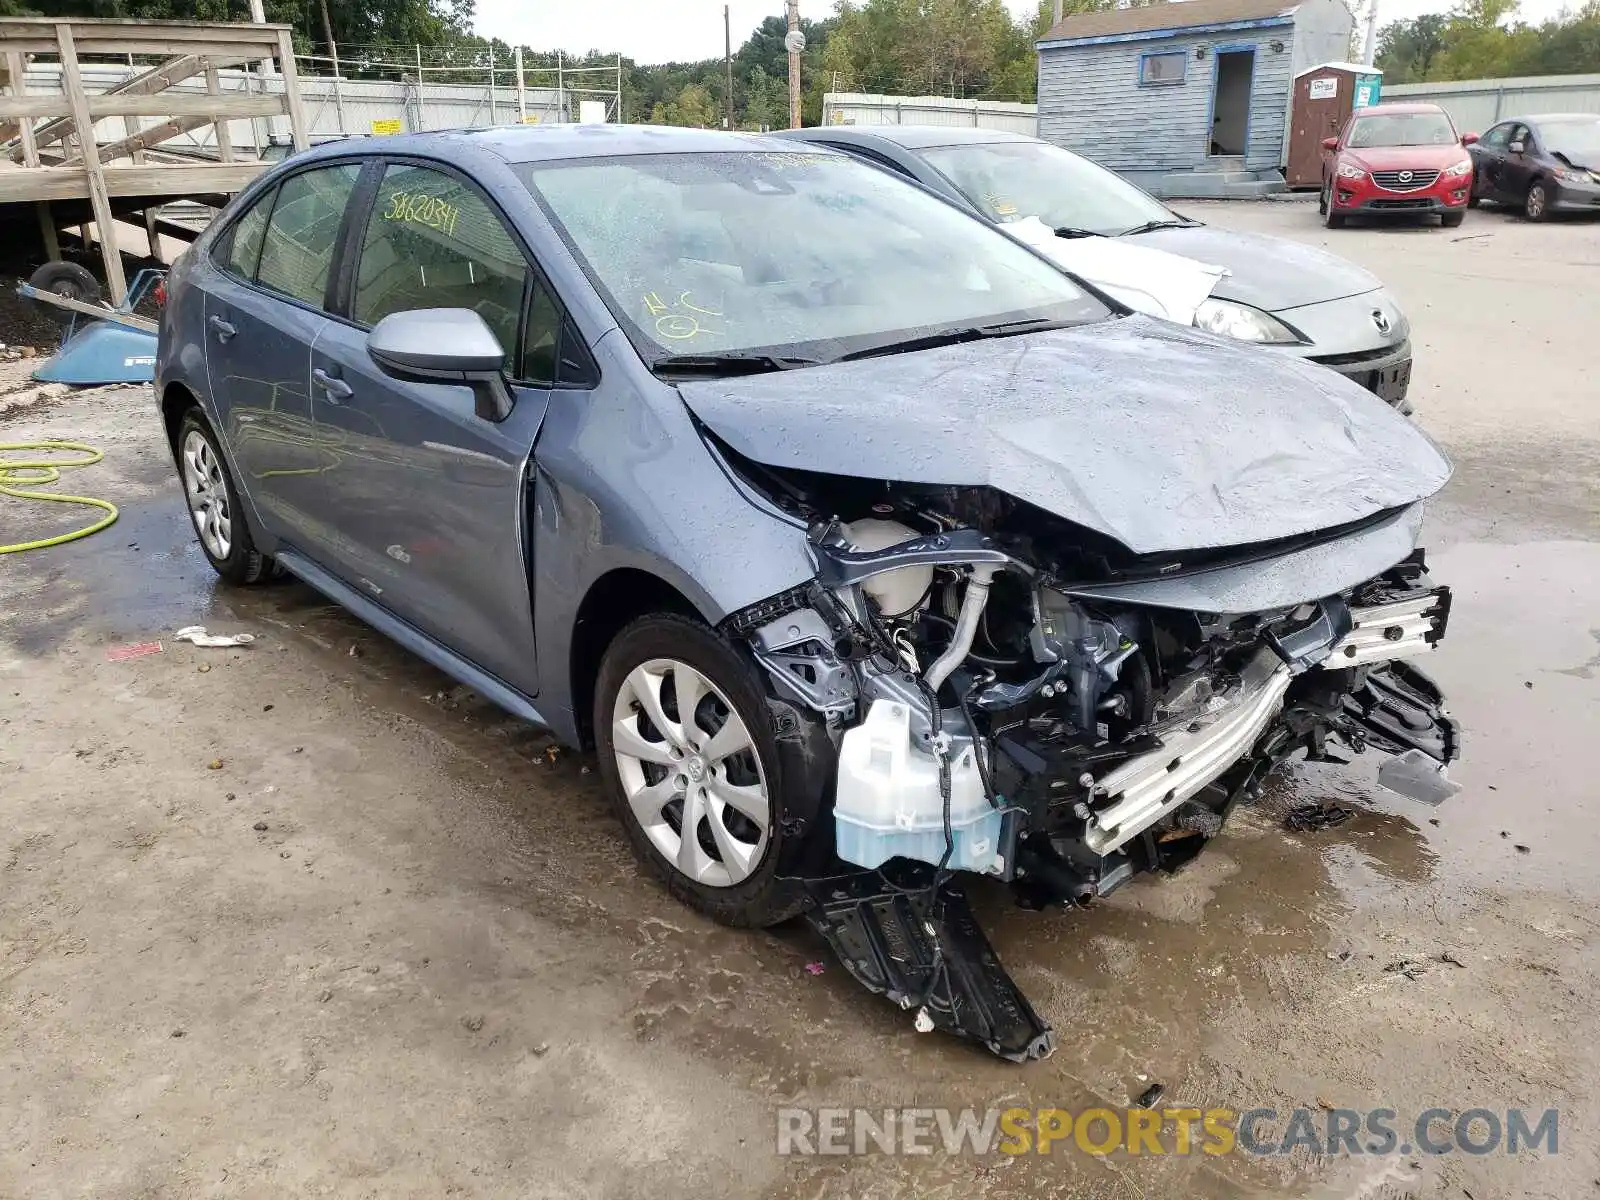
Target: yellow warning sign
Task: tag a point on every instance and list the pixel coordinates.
(388, 125)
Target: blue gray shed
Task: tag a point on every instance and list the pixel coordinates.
(1188, 98)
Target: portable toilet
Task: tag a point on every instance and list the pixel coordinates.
(1322, 101)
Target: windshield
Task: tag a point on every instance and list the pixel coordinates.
(1011, 181)
(1402, 129)
(1577, 140)
(811, 255)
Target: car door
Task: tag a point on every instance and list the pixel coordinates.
(429, 498)
(1488, 156)
(263, 310)
(1517, 167)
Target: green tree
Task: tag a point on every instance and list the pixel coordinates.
(1406, 49)
(692, 107)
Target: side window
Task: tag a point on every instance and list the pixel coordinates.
(1519, 134)
(298, 248)
(553, 352)
(245, 238)
(1497, 137)
(433, 242)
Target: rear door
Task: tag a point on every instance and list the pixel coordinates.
(263, 311)
(429, 498)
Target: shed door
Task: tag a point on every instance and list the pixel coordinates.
(1322, 101)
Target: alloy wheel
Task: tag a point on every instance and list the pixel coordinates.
(690, 771)
(208, 495)
(1535, 204)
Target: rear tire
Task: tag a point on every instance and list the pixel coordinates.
(1536, 204)
(214, 510)
(659, 770)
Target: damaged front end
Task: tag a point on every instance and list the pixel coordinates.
(1014, 696)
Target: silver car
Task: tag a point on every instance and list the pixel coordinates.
(1281, 294)
(864, 547)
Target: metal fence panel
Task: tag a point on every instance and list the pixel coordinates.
(856, 108)
(1476, 104)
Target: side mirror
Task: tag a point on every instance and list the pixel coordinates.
(1330, 143)
(1469, 139)
(1516, 147)
(444, 345)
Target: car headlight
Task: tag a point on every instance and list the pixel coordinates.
(1461, 168)
(1572, 176)
(1351, 171)
(1235, 320)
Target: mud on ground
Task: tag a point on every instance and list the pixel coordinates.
(308, 919)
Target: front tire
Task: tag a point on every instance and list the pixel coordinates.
(1536, 204)
(1451, 220)
(687, 752)
(1330, 219)
(214, 509)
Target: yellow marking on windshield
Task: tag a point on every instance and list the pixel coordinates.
(681, 320)
(683, 302)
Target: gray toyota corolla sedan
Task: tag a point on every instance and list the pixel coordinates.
(1294, 298)
(865, 547)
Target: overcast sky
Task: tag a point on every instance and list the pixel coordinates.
(653, 31)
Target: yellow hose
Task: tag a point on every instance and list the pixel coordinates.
(35, 472)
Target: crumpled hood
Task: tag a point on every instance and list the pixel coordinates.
(1160, 437)
(1266, 272)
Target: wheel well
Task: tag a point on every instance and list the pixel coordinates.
(175, 401)
(614, 600)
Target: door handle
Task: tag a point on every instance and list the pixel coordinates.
(336, 388)
(224, 330)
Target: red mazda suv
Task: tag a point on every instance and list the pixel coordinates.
(1396, 159)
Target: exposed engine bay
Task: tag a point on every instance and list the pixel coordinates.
(995, 713)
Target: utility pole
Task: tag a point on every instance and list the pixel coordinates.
(1371, 49)
(333, 53)
(522, 91)
(794, 41)
(1057, 21)
(727, 56)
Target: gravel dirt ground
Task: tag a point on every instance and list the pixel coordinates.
(307, 919)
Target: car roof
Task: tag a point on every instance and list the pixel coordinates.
(907, 137)
(1555, 117)
(1382, 110)
(547, 143)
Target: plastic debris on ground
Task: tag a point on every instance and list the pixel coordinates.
(198, 635)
